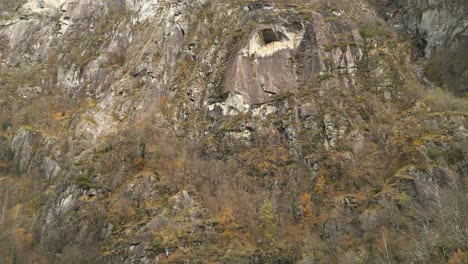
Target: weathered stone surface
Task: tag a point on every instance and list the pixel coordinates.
(254, 73)
(441, 32)
(152, 132)
(22, 145)
(50, 167)
(29, 92)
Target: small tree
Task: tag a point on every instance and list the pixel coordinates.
(229, 224)
(266, 219)
(306, 207)
(320, 185)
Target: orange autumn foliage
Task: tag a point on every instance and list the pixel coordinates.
(307, 208)
(320, 185)
(228, 222)
(139, 163)
(458, 257)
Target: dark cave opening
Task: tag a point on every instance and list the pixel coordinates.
(269, 36)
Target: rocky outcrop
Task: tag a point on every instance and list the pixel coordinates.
(436, 24)
(269, 50)
(441, 32)
(175, 131)
(35, 155)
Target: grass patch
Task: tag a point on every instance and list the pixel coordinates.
(325, 77)
(368, 33)
(342, 45)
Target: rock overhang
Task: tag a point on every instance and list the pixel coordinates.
(267, 40)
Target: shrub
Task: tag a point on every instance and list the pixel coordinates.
(367, 33)
(5, 126)
(156, 245)
(404, 201)
(433, 153)
(9, 154)
(266, 219)
(85, 181)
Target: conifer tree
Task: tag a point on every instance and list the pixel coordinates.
(266, 219)
(306, 206)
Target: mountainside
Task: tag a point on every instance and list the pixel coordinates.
(209, 131)
(440, 31)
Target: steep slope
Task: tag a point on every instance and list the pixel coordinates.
(227, 132)
(440, 30)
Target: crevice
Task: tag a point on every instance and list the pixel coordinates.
(421, 44)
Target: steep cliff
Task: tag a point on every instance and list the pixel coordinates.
(440, 29)
(182, 131)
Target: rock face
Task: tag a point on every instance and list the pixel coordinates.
(253, 74)
(163, 131)
(436, 24)
(441, 32)
(34, 154)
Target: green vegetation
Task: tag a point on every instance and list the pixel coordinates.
(325, 77)
(368, 32)
(405, 200)
(434, 153)
(449, 68)
(266, 219)
(9, 154)
(329, 172)
(331, 19)
(85, 181)
(156, 245)
(305, 12)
